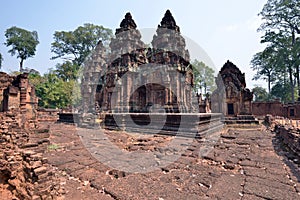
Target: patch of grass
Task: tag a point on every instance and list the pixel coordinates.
(53, 147)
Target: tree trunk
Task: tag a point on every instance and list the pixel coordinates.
(296, 66)
(269, 84)
(21, 65)
(291, 84)
(298, 82)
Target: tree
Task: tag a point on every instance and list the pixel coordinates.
(53, 92)
(1, 59)
(285, 60)
(260, 94)
(67, 71)
(204, 80)
(281, 91)
(76, 45)
(265, 64)
(281, 21)
(34, 77)
(22, 42)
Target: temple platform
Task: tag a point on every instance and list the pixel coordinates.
(179, 124)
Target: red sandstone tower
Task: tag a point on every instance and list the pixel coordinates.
(134, 77)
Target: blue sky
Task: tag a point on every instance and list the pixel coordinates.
(226, 30)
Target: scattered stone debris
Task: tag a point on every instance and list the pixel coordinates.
(25, 173)
(242, 164)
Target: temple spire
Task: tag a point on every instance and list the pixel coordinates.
(126, 24)
(168, 22)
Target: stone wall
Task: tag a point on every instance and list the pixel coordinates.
(264, 108)
(5, 81)
(17, 93)
(47, 115)
(24, 172)
(276, 108)
(290, 137)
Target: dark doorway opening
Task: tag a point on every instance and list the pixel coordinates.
(292, 112)
(230, 109)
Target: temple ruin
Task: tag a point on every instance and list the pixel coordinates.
(16, 93)
(136, 78)
(232, 96)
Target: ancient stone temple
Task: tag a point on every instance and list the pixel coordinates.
(16, 93)
(133, 77)
(18, 99)
(232, 98)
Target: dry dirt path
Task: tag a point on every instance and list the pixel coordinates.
(244, 164)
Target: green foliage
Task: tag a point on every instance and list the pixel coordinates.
(260, 94)
(281, 91)
(35, 78)
(76, 45)
(265, 64)
(204, 80)
(279, 62)
(22, 42)
(52, 147)
(60, 88)
(54, 92)
(67, 71)
(281, 15)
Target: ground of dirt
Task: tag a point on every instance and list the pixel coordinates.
(244, 164)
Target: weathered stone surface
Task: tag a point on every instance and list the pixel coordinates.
(17, 93)
(109, 80)
(21, 166)
(231, 97)
(264, 176)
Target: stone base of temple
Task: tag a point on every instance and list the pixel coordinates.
(153, 108)
(68, 117)
(241, 119)
(179, 124)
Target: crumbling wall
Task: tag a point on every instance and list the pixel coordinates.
(290, 137)
(17, 93)
(5, 82)
(24, 172)
(47, 115)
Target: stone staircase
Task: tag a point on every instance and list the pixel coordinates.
(241, 119)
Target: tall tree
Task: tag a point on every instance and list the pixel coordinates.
(285, 61)
(281, 21)
(260, 94)
(22, 42)
(264, 63)
(76, 45)
(281, 91)
(67, 71)
(204, 80)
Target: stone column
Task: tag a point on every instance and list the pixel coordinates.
(167, 95)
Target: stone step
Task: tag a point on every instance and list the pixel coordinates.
(241, 119)
(193, 125)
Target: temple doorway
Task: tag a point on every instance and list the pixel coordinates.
(230, 109)
(147, 96)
